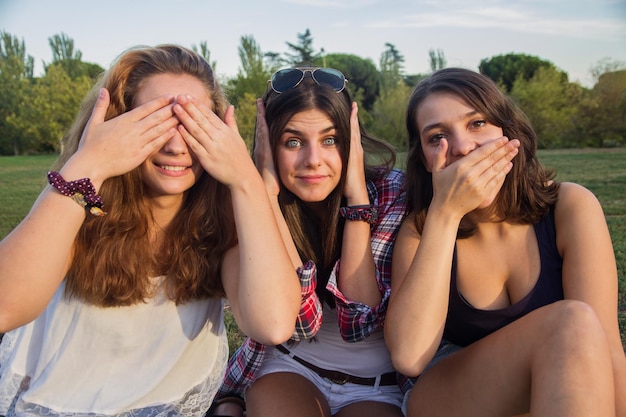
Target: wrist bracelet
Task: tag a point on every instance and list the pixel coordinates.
(367, 213)
(81, 191)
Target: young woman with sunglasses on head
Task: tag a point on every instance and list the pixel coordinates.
(339, 213)
(510, 273)
(117, 310)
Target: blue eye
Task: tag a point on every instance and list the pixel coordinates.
(292, 143)
(330, 141)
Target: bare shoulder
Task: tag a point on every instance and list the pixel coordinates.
(575, 197)
(577, 213)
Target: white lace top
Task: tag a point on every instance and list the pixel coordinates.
(152, 359)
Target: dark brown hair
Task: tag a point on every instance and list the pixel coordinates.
(319, 239)
(528, 190)
(114, 260)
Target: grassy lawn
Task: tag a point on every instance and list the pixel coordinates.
(603, 171)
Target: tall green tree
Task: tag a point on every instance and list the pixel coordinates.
(388, 115)
(508, 68)
(390, 106)
(65, 54)
(391, 67)
(437, 60)
(46, 117)
(362, 75)
(601, 117)
(253, 72)
(550, 103)
(303, 53)
(249, 84)
(16, 76)
(63, 48)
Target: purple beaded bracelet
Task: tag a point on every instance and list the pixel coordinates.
(367, 213)
(82, 191)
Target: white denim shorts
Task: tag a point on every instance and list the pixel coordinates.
(337, 395)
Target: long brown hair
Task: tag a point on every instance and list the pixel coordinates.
(319, 239)
(113, 259)
(528, 191)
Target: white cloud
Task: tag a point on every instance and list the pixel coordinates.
(508, 19)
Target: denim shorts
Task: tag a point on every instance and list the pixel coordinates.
(338, 396)
(445, 349)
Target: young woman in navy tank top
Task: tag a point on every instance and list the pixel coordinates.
(504, 281)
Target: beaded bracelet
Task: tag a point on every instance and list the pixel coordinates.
(81, 191)
(367, 213)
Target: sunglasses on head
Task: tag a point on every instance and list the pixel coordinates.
(289, 78)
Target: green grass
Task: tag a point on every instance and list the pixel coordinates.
(21, 180)
(603, 171)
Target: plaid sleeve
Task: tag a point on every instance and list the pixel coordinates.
(244, 364)
(357, 320)
(309, 319)
(242, 369)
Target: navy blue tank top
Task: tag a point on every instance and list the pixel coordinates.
(466, 324)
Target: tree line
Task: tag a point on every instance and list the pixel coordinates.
(35, 112)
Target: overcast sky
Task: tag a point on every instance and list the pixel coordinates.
(572, 34)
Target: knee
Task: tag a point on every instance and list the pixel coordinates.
(574, 325)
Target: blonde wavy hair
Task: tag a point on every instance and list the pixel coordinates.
(113, 258)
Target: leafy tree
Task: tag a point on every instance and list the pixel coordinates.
(273, 59)
(601, 116)
(246, 118)
(550, 104)
(390, 107)
(388, 115)
(506, 69)
(63, 48)
(249, 84)
(70, 59)
(46, 117)
(610, 91)
(391, 67)
(363, 77)
(65, 55)
(303, 51)
(252, 74)
(413, 79)
(16, 74)
(437, 60)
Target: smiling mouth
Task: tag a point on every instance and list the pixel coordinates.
(173, 168)
(311, 177)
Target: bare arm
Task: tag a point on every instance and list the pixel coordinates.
(421, 264)
(258, 276)
(357, 272)
(35, 256)
(265, 164)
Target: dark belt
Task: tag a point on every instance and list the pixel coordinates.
(339, 377)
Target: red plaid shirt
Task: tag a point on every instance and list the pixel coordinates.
(356, 320)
